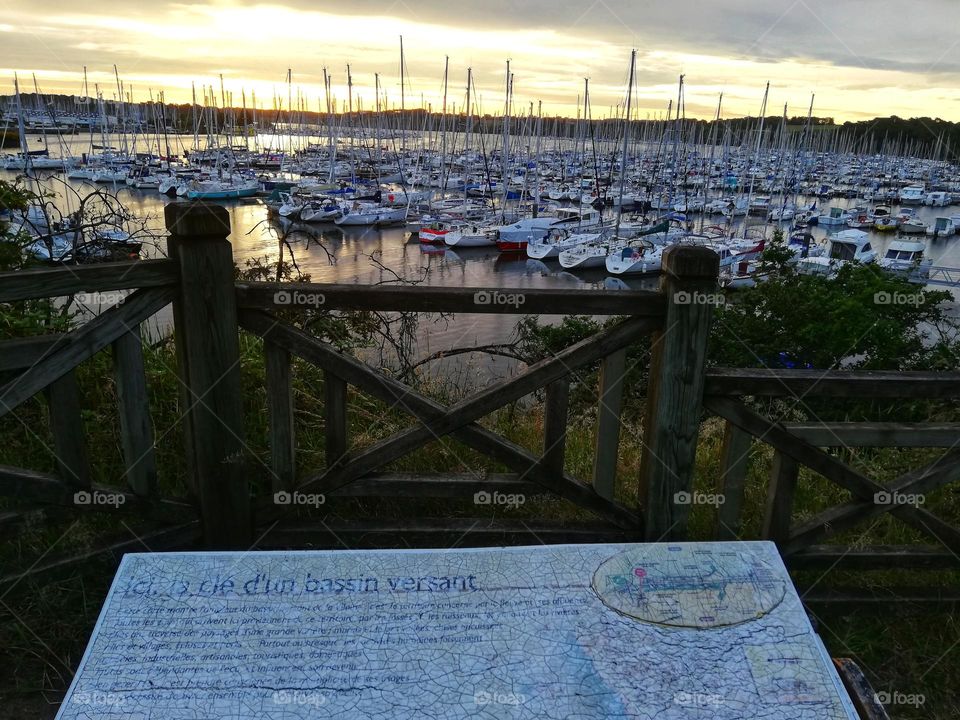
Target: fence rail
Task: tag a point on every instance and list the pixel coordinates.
(210, 310)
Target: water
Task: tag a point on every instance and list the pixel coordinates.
(357, 255)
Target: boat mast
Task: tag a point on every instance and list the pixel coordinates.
(626, 137)
(505, 159)
(756, 152)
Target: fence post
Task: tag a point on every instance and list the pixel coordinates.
(675, 393)
(208, 352)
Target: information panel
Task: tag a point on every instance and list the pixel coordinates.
(687, 630)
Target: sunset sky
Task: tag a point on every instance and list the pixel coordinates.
(862, 58)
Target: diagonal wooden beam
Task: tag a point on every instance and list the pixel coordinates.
(775, 435)
(426, 409)
(438, 424)
(84, 342)
(836, 519)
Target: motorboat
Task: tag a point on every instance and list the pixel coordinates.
(942, 227)
(844, 247)
(906, 257)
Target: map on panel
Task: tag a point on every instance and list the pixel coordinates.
(692, 586)
(667, 631)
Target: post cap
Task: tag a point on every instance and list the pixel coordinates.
(195, 218)
(691, 261)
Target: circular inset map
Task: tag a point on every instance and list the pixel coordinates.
(688, 585)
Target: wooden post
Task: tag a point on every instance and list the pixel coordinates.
(136, 430)
(66, 426)
(335, 412)
(609, 402)
(734, 459)
(206, 335)
(675, 394)
(779, 509)
(555, 407)
(280, 408)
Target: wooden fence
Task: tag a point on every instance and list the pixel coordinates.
(210, 309)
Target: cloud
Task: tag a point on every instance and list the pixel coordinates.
(833, 47)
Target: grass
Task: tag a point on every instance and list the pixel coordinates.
(45, 624)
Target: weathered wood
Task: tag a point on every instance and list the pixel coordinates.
(66, 426)
(556, 403)
(335, 414)
(83, 343)
(136, 428)
(841, 474)
(207, 336)
(280, 411)
(437, 485)
(99, 277)
(734, 461)
(678, 359)
(20, 353)
(773, 382)
(943, 470)
(852, 597)
(780, 492)
(873, 557)
(610, 402)
(420, 298)
(179, 537)
(36, 488)
(427, 410)
(435, 532)
(865, 700)
(468, 411)
(879, 434)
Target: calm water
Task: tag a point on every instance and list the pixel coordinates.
(364, 256)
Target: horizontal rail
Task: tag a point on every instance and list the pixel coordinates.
(21, 353)
(731, 382)
(421, 298)
(873, 557)
(62, 281)
(469, 532)
(878, 434)
(434, 485)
